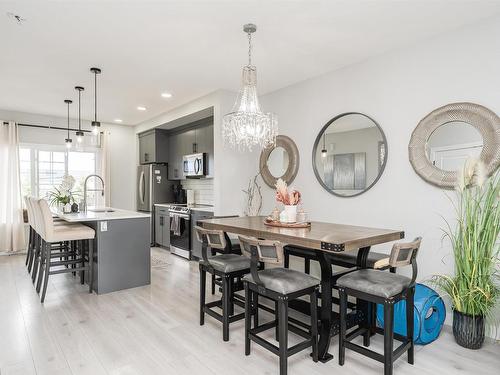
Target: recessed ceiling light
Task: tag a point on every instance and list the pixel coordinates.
(141, 108)
(118, 120)
(166, 95)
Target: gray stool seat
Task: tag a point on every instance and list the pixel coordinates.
(228, 263)
(374, 282)
(284, 280)
(374, 260)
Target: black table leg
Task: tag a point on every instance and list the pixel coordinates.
(326, 307)
(364, 306)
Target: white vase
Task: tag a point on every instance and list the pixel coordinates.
(291, 213)
(67, 208)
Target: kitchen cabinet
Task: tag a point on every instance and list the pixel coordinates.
(153, 146)
(205, 144)
(162, 226)
(175, 157)
(195, 244)
(197, 139)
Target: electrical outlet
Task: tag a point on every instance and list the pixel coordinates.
(104, 226)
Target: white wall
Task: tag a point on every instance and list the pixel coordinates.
(397, 90)
(121, 141)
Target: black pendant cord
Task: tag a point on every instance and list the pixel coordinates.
(95, 71)
(68, 120)
(79, 110)
(95, 96)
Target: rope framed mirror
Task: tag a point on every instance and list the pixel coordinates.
(447, 136)
(279, 161)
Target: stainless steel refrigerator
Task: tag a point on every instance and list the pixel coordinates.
(153, 187)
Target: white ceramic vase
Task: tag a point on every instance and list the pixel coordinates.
(67, 208)
(291, 213)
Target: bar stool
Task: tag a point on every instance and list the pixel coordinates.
(50, 234)
(375, 286)
(228, 267)
(279, 285)
(37, 221)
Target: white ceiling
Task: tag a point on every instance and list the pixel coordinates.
(191, 48)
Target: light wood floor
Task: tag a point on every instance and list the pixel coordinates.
(154, 330)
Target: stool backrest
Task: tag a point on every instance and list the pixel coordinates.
(404, 253)
(216, 239)
(47, 222)
(266, 251)
(27, 203)
(37, 217)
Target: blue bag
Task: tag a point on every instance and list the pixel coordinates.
(429, 315)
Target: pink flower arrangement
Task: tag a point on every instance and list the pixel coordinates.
(283, 195)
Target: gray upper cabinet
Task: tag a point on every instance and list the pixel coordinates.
(153, 146)
(175, 157)
(205, 144)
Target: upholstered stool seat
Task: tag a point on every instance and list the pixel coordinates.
(72, 232)
(375, 282)
(284, 280)
(227, 263)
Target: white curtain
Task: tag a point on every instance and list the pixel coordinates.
(11, 210)
(105, 173)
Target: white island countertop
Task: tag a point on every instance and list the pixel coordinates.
(101, 213)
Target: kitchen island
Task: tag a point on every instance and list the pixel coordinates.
(121, 248)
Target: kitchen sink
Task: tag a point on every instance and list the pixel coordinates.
(101, 209)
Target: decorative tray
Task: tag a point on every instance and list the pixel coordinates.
(273, 223)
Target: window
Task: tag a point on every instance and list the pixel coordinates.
(44, 166)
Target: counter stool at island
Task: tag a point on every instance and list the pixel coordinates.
(375, 286)
(226, 266)
(279, 285)
(78, 235)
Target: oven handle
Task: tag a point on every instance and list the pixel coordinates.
(187, 217)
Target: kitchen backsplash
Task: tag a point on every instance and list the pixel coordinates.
(203, 189)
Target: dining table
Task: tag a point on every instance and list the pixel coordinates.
(320, 242)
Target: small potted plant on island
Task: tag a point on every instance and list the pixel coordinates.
(62, 196)
(289, 198)
(473, 288)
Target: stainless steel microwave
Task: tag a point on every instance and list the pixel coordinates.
(195, 165)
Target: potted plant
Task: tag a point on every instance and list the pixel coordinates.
(290, 198)
(62, 196)
(473, 288)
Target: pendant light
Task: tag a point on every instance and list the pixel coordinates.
(324, 152)
(68, 140)
(95, 124)
(247, 126)
(79, 133)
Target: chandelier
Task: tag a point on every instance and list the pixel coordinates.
(247, 126)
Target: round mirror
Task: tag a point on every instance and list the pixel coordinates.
(279, 161)
(449, 146)
(450, 134)
(349, 154)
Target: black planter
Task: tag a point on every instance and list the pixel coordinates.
(468, 330)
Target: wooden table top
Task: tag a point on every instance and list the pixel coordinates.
(320, 236)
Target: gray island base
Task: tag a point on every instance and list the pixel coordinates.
(122, 257)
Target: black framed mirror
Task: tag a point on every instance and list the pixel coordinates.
(349, 154)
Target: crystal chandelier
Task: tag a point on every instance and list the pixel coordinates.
(247, 126)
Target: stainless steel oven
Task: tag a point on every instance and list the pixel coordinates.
(180, 231)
